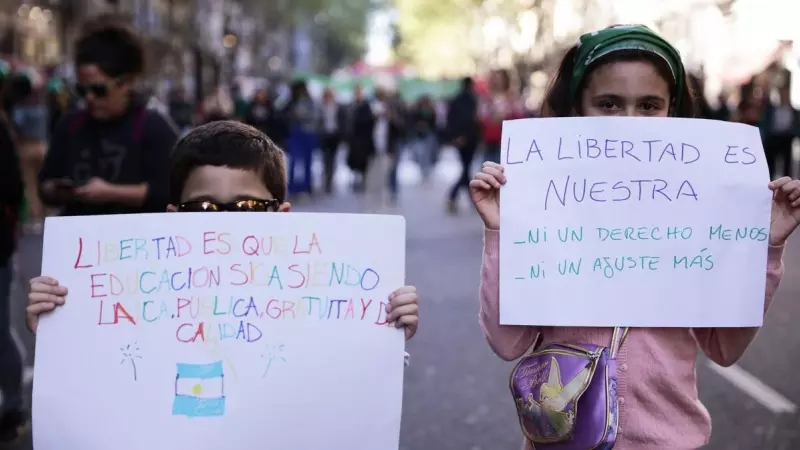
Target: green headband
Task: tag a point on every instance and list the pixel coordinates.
(597, 44)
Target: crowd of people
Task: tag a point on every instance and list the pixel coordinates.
(373, 129)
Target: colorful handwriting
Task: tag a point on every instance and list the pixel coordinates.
(140, 281)
(94, 253)
(235, 317)
(293, 276)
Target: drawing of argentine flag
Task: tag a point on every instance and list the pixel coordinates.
(199, 390)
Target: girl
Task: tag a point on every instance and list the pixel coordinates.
(630, 71)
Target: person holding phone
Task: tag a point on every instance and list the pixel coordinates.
(110, 157)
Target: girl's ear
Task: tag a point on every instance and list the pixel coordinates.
(172, 208)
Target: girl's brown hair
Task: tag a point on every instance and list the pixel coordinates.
(559, 103)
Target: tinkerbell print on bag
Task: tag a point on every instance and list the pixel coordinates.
(566, 395)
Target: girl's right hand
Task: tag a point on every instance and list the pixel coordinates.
(484, 190)
(44, 296)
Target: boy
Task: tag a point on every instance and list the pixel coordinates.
(224, 166)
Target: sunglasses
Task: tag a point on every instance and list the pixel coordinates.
(251, 205)
(98, 90)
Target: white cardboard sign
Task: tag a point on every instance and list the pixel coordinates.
(642, 222)
(230, 330)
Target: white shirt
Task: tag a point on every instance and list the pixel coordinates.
(782, 120)
(380, 134)
(331, 111)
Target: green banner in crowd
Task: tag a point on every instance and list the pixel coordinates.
(411, 89)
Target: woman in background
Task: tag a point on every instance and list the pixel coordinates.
(333, 119)
(30, 118)
(304, 119)
(501, 103)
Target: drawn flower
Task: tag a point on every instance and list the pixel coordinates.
(130, 353)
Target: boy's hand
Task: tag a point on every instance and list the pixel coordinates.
(403, 310)
(44, 296)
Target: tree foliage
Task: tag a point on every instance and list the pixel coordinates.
(435, 35)
(339, 26)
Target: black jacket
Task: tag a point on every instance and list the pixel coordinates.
(131, 149)
(11, 192)
(462, 118)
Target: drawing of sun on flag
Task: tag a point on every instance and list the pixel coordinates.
(199, 390)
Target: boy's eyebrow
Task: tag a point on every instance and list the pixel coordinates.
(254, 197)
(210, 198)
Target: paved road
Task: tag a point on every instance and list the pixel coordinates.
(456, 394)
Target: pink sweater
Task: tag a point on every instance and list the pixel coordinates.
(659, 407)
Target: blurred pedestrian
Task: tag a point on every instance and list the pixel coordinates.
(360, 137)
(463, 132)
(423, 135)
(500, 104)
(304, 117)
(333, 128)
(723, 110)
(110, 157)
(398, 135)
(217, 106)
(30, 119)
(14, 419)
(609, 73)
(58, 102)
(261, 113)
(181, 110)
(704, 109)
(240, 104)
(780, 126)
(380, 179)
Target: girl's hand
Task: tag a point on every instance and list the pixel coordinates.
(44, 296)
(785, 209)
(403, 310)
(484, 190)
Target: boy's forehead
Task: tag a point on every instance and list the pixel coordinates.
(224, 184)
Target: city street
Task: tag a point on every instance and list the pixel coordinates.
(456, 390)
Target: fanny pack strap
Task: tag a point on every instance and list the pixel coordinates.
(617, 337)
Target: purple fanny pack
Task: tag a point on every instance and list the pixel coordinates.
(566, 395)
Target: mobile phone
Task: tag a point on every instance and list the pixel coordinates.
(64, 184)
(64, 190)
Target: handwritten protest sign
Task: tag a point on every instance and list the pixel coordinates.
(633, 222)
(231, 330)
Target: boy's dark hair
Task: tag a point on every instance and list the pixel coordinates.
(111, 45)
(227, 143)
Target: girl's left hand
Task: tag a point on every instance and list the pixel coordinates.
(785, 209)
(403, 310)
